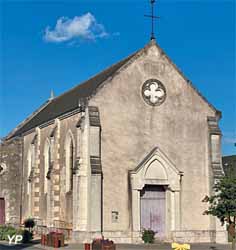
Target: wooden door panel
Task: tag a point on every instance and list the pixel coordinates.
(2, 211)
(153, 210)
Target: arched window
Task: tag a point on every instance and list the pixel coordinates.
(70, 151)
(47, 162)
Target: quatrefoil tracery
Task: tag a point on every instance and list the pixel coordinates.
(153, 92)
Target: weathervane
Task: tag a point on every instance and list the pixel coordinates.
(153, 17)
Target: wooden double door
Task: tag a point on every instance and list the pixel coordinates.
(2, 211)
(153, 209)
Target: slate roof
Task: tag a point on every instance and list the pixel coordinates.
(68, 101)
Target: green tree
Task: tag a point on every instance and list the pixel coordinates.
(223, 204)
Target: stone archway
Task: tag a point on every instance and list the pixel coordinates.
(156, 171)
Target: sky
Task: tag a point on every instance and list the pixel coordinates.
(55, 45)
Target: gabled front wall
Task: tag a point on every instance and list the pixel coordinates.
(131, 129)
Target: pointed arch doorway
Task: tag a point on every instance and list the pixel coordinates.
(155, 185)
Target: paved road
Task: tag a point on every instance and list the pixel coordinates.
(4, 246)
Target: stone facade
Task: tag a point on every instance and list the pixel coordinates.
(10, 178)
(145, 125)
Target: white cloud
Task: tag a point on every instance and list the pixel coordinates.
(80, 27)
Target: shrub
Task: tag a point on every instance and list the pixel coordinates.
(10, 232)
(29, 223)
(6, 231)
(148, 236)
(2, 232)
(27, 236)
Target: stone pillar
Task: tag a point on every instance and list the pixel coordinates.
(95, 199)
(215, 147)
(75, 201)
(56, 171)
(217, 169)
(31, 181)
(173, 216)
(95, 203)
(78, 164)
(51, 182)
(29, 199)
(87, 211)
(81, 188)
(177, 210)
(136, 210)
(36, 160)
(82, 223)
(49, 204)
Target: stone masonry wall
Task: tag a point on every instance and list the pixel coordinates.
(10, 178)
(131, 129)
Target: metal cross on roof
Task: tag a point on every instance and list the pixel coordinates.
(153, 17)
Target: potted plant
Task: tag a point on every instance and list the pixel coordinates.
(148, 236)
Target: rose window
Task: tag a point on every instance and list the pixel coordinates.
(153, 92)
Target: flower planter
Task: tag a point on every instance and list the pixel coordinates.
(100, 244)
(53, 239)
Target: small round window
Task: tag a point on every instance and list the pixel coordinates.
(153, 92)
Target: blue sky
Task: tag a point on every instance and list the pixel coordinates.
(199, 36)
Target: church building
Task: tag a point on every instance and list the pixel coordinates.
(135, 147)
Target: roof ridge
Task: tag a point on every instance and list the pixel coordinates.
(69, 100)
(95, 75)
(104, 74)
(125, 60)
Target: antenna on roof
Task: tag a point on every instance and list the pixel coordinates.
(153, 17)
(52, 96)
